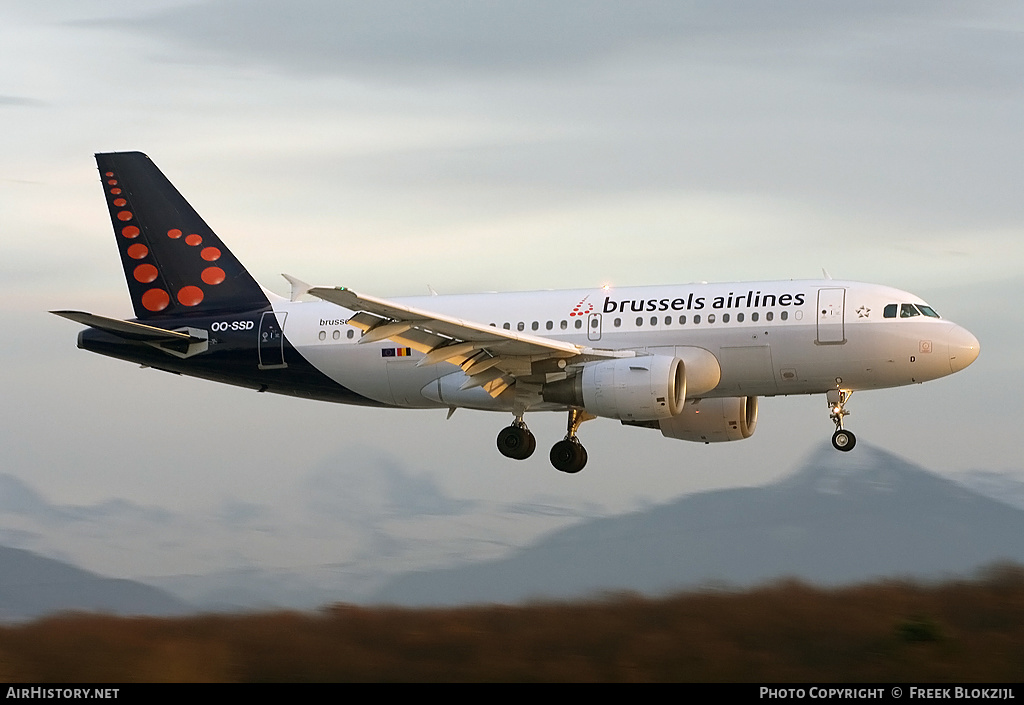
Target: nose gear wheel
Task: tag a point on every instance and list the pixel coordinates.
(842, 439)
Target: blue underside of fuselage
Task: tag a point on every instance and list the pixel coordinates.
(235, 365)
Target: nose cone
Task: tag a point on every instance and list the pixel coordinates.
(963, 348)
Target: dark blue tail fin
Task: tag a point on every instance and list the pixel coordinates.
(174, 263)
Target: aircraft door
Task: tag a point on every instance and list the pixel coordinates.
(271, 341)
(831, 304)
(594, 326)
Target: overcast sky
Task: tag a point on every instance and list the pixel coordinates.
(475, 145)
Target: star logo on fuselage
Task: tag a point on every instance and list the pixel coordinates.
(863, 312)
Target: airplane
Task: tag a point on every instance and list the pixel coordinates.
(689, 360)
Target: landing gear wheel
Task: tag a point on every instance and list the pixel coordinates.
(516, 442)
(568, 456)
(843, 440)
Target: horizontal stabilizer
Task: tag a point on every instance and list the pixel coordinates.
(126, 329)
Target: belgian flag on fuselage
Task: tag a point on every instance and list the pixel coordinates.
(174, 263)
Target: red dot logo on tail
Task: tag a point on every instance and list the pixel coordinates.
(155, 300)
(145, 273)
(213, 275)
(137, 251)
(190, 295)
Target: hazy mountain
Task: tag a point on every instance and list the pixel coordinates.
(841, 518)
(336, 535)
(32, 586)
(356, 536)
(995, 485)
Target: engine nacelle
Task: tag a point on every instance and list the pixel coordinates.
(712, 420)
(645, 388)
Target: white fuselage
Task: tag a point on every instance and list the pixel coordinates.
(769, 338)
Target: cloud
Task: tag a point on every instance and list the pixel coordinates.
(863, 107)
(479, 37)
(13, 101)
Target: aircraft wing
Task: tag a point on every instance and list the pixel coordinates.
(492, 358)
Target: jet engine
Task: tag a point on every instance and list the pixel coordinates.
(631, 389)
(710, 420)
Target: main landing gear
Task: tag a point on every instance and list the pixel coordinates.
(568, 455)
(516, 441)
(842, 439)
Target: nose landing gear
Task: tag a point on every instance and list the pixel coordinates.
(842, 439)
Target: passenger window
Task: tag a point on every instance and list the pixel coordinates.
(784, 315)
(563, 325)
(739, 318)
(654, 320)
(535, 325)
(711, 318)
(549, 325)
(682, 320)
(725, 318)
(579, 322)
(350, 334)
(890, 311)
(908, 311)
(336, 334)
(506, 326)
(696, 319)
(668, 320)
(769, 316)
(639, 321)
(323, 335)
(618, 322)
(754, 316)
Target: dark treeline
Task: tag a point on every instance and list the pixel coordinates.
(785, 632)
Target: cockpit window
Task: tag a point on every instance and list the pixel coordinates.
(908, 311)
